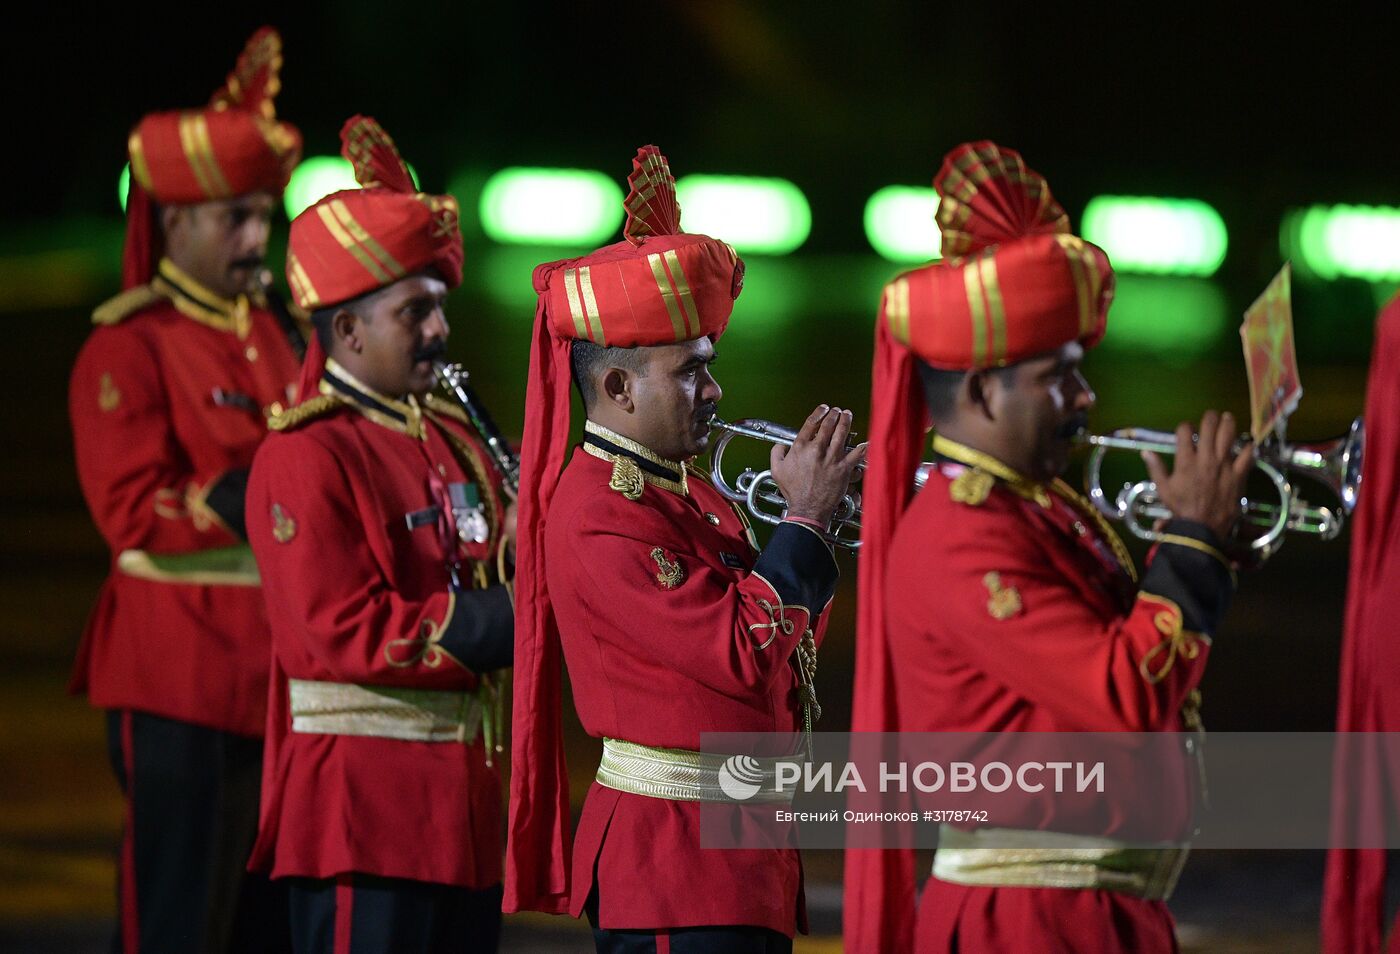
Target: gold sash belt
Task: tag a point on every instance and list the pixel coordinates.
(1004, 857)
(685, 776)
(414, 715)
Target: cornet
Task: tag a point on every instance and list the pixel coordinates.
(758, 491)
(1335, 463)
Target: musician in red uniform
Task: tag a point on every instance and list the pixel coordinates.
(671, 622)
(380, 525)
(998, 600)
(169, 399)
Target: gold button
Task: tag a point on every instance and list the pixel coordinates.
(1079, 528)
(713, 518)
(251, 353)
(442, 470)
(274, 409)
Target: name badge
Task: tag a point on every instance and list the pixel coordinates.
(732, 561)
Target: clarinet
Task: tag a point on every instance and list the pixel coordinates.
(454, 378)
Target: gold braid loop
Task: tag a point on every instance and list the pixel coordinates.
(1179, 642)
(777, 620)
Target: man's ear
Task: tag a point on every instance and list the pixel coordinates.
(170, 217)
(345, 328)
(978, 391)
(616, 388)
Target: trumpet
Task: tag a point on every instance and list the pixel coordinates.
(454, 378)
(1334, 463)
(758, 492)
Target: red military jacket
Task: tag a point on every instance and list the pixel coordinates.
(666, 616)
(169, 400)
(1014, 608)
(352, 517)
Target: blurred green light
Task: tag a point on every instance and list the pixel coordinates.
(760, 215)
(521, 206)
(1354, 241)
(1166, 317)
(124, 185)
(316, 177)
(1157, 236)
(900, 223)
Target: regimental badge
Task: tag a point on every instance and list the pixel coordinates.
(1004, 602)
(971, 487)
(670, 572)
(109, 396)
(283, 526)
(627, 479)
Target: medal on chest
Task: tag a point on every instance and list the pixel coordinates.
(468, 513)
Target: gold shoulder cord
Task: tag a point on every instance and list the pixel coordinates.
(1115, 542)
(1030, 490)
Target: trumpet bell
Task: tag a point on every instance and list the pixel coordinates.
(1334, 463)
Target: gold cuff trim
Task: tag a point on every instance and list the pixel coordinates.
(226, 566)
(425, 647)
(384, 712)
(1206, 548)
(1005, 857)
(777, 615)
(681, 775)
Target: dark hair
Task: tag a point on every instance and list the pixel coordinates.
(587, 359)
(941, 387)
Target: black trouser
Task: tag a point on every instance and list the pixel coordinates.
(695, 940)
(191, 817)
(367, 914)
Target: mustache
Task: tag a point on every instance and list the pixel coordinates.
(433, 352)
(249, 262)
(706, 411)
(1076, 425)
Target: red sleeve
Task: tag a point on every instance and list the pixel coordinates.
(137, 479)
(1000, 602)
(322, 580)
(641, 577)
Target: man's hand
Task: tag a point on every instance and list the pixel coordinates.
(815, 471)
(1207, 480)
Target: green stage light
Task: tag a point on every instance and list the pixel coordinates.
(900, 224)
(316, 177)
(570, 207)
(764, 216)
(1171, 318)
(124, 185)
(1354, 241)
(1157, 236)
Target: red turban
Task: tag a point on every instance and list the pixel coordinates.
(658, 286)
(360, 240)
(1013, 283)
(231, 147)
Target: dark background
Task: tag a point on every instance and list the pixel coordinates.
(1254, 114)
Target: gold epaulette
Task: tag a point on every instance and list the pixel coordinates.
(128, 303)
(307, 410)
(437, 405)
